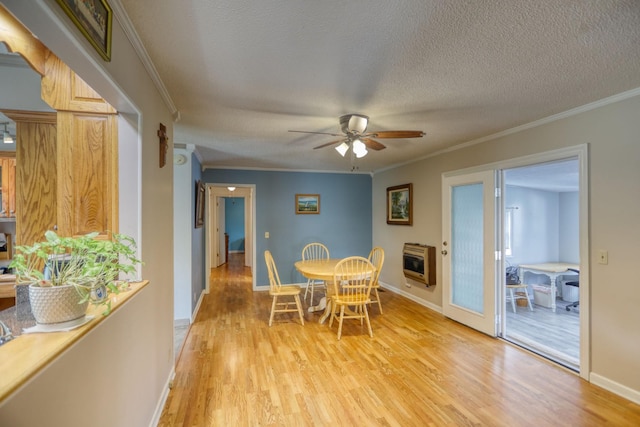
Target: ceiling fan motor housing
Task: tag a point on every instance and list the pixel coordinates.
(354, 123)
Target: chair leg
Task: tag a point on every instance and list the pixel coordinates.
(526, 292)
(273, 308)
(513, 302)
(299, 305)
(340, 323)
(366, 316)
(378, 299)
(306, 290)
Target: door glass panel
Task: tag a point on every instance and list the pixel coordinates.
(467, 268)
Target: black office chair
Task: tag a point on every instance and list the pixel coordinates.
(575, 283)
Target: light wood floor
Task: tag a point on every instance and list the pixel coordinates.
(419, 369)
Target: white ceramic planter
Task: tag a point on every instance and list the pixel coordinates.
(56, 304)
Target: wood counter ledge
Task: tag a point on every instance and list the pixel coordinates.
(7, 286)
(25, 356)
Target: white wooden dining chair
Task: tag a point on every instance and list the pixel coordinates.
(376, 256)
(310, 252)
(277, 289)
(352, 280)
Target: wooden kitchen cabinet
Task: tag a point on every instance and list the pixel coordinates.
(66, 160)
(8, 171)
(35, 177)
(86, 152)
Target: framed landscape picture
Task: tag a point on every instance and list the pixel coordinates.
(93, 18)
(400, 204)
(307, 203)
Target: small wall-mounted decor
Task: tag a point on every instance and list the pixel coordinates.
(93, 19)
(164, 144)
(200, 191)
(307, 203)
(400, 204)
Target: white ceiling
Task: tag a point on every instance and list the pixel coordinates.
(242, 73)
(560, 176)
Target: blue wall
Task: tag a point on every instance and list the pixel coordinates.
(344, 224)
(234, 222)
(198, 274)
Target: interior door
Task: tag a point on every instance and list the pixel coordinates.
(468, 248)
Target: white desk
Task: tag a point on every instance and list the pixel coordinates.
(551, 269)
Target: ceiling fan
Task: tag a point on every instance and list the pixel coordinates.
(354, 135)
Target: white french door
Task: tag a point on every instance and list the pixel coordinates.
(468, 249)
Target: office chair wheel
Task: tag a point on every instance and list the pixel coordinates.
(568, 308)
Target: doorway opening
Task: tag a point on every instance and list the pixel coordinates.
(541, 247)
(539, 236)
(216, 253)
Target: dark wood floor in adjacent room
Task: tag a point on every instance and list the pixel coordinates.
(419, 369)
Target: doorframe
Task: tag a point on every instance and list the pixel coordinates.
(581, 152)
(246, 191)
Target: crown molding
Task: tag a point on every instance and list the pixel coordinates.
(129, 30)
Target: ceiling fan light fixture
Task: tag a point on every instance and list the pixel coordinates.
(342, 149)
(354, 123)
(359, 149)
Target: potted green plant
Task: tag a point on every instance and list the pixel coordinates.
(65, 274)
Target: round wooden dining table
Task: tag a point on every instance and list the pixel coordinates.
(319, 269)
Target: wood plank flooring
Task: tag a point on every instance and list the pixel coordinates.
(555, 335)
(419, 369)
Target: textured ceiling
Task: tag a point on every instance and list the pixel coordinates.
(242, 73)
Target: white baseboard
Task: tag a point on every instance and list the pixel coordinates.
(614, 387)
(181, 322)
(195, 311)
(163, 399)
(422, 302)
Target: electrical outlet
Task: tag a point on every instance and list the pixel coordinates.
(603, 257)
(266, 234)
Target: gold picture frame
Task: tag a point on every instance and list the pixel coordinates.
(94, 19)
(307, 204)
(400, 204)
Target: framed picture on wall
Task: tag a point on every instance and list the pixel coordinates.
(93, 19)
(200, 190)
(307, 203)
(400, 204)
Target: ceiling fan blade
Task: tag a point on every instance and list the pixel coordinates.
(329, 143)
(397, 134)
(317, 133)
(373, 144)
